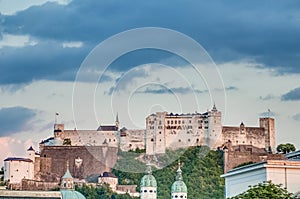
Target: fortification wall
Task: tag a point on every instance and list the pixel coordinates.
(83, 161)
(33, 185)
(254, 136)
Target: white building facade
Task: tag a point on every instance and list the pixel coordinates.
(16, 169)
(283, 172)
(172, 131)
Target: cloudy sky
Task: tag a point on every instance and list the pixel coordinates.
(44, 46)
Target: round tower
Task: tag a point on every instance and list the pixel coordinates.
(148, 185)
(178, 189)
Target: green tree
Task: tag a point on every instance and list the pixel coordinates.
(285, 148)
(265, 191)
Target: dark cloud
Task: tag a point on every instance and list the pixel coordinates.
(267, 33)
(292, 95)
(180, 90)
(14, 119)
(46, 60)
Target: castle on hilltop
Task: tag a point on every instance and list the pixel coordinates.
(171, 131)
(93, 152)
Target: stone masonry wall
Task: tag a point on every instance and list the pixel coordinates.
(83, 161)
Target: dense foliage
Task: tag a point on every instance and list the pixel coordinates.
(265, 191)
(102, 192)
(201, 172)
(285, 148)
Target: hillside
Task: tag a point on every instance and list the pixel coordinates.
(201, 172)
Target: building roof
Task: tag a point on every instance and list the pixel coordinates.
(67, 174)
(265, 164)
(108, 174)
(30, 149)
(18, 159)
(71, 194)
(107, 128)
(293, 155)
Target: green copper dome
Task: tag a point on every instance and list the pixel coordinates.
(179, 185)
(71, 194)
(148, 180)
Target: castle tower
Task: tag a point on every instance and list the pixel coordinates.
(178, 189)
(31, 153)
(213, 131)
(148, 185)
(268, 124)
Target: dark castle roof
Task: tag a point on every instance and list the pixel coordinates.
(30, 149)
(109, 174)
(107, 128)
(18, 159)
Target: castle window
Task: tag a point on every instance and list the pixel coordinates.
(182, 121)
(44, 155)
(179, 122)
(190, 121)
(151, 191)
(168, 122)
(189, 140)
(175, 121)
(179, 140)
(197, 140)
(237, 141)
(152, 140)
(172, 122)
(145, 191)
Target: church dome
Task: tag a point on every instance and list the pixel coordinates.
(178, 186)
(71, 194)
(148, 180)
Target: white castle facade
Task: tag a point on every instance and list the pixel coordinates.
(171, 131)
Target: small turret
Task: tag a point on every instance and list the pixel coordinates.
(31, 153)
(67, 181)
(117, 121)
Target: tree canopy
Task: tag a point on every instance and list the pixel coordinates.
(265, 191)
(285, 148)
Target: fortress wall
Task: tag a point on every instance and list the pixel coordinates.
(244, 136)
(83, 161)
